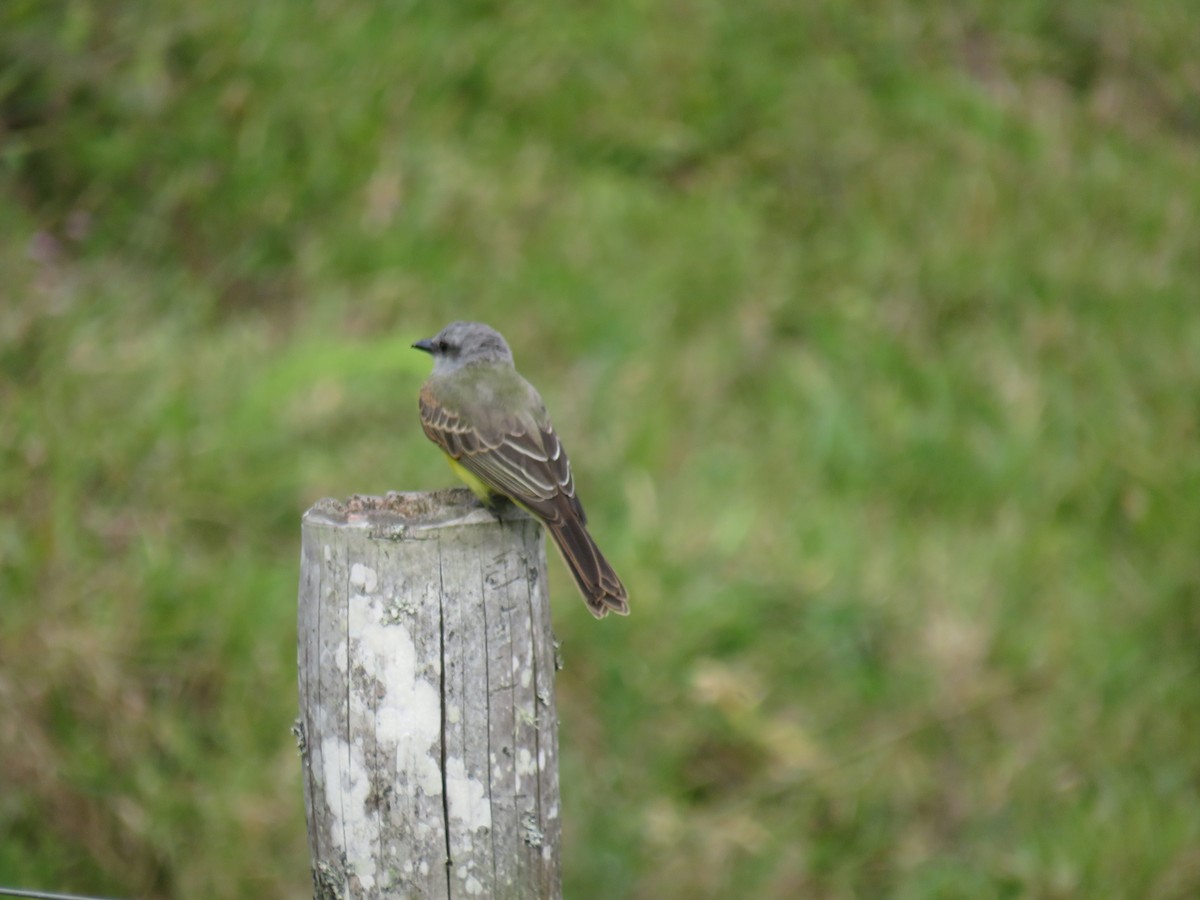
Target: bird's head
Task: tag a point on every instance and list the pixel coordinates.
(463, 344)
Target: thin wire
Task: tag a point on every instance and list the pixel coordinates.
(44, 895)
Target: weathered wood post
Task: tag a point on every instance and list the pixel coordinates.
(427, 721)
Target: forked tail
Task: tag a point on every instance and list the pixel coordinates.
(601, 588)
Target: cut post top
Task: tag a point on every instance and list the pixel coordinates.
(398, 514)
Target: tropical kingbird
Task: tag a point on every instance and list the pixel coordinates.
(494, 429)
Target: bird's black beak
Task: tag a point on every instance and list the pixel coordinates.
(426, 345)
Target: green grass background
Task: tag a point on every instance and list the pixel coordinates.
(872, 330)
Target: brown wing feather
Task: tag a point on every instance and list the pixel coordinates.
(530, 467)
(526, 465)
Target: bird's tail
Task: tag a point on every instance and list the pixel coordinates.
(601, 588)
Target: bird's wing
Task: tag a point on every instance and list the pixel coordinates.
(518, 457)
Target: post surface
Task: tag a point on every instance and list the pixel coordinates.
(427, 720)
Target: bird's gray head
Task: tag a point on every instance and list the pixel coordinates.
(465, 343)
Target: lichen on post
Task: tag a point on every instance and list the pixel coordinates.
(427, 725)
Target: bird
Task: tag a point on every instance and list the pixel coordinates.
(494, 430)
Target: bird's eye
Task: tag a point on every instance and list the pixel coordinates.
(443, 346)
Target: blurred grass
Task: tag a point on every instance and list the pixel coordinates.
(873, 334)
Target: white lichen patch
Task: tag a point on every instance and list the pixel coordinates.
(347, 786)
(531, 834)
(466, 797)
(525, 762)
(364, 578)
(397, 610)
(403, 709)
(465, 872)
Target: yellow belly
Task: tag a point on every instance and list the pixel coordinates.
(485, 494)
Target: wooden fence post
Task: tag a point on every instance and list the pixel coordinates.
(427, 728)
